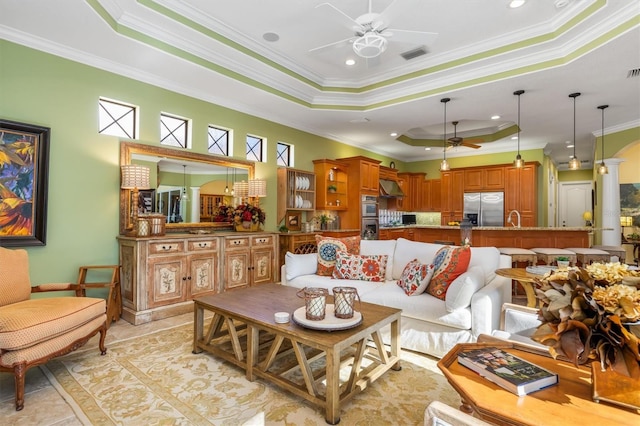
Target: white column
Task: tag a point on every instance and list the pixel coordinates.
(611, 203)
(195, 204)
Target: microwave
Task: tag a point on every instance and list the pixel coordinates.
(369, 206)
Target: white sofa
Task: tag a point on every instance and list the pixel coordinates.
(429, 325)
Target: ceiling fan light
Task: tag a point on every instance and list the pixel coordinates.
(518, 162)
(603, 169)
(574, 164)
(444, 166)
(370, 45)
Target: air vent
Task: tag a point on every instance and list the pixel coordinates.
(412, 54)
(633, 73)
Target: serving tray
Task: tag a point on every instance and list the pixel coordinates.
(330, 321)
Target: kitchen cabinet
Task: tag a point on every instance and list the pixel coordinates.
(452, 194)
(365, 173)
(296, 191)
(249, 260)
(521, 189)
(431, 195)
(413, 196)
(484, 178)
(388, 173)
(332, 191)
(395, 233)
(160, 276)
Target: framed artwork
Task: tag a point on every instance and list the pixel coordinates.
(294, 221)
(24, 176)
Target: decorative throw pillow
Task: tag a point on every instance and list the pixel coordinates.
(450, 262)
(463, 288)
(327, 249)
(360, 267)
(415, 277)
(300, 264)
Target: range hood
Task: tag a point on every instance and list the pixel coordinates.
(390, 189)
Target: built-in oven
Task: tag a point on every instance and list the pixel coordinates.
(370, 228)
(369, 206)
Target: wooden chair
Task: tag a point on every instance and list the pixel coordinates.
(33, 331)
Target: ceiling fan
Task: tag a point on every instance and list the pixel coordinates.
(458, 141)
(372, 33)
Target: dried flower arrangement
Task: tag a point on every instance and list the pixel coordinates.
(585, 314)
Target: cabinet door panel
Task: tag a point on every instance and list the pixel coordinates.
(203, 274)
(494, 178)
(236, 269)
(262, 268)
(168, 278)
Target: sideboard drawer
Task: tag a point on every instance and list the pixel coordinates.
(165, 247)
(262, 240)
(237, 242)
(200, 245)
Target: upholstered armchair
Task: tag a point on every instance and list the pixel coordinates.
(32, 331)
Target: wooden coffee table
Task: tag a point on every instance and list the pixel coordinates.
(243, 331)
(569, 402)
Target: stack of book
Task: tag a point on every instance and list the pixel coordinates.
(506, 370)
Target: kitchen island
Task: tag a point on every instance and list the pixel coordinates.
(496, 236)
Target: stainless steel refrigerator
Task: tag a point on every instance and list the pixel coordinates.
(484, 208)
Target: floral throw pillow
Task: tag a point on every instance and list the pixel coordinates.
(415, 277)
(327, 249)
(450, 262)
(360, 267)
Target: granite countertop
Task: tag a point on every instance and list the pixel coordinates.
(319, 231)
(499, 228)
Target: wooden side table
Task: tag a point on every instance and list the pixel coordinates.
(525, 279)
(114, 299)
(567, 403)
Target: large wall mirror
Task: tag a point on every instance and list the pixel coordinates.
(185, 187)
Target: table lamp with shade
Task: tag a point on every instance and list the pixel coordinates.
(587, 218)
(257, 189)
(134, 178)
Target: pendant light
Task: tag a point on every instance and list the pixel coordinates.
(444, 166)
(185, 196)
(226, 186)
(518, 162)
(602, 170)
(574, 163)
(233, 187)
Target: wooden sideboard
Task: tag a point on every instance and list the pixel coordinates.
(161, 275)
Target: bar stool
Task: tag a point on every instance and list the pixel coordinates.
(548, 255)
(586, 256)
(519, 255)
(617, 251)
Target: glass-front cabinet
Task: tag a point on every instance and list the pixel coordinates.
(296, 191)
(332, 185)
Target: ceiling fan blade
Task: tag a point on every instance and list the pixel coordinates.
(347, 20)
(335, 44)
(470, 145)
(409, 36)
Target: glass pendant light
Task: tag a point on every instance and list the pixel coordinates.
(444, 165)
(184, 196)
(233, 187)
(602, 169)
(226, 186)
(518, 162)
(574, 163)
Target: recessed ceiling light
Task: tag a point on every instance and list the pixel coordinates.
(570, 146)
(427, 148)
(350, 62)
(393, 134)
(495, 117)
(516, 3)
(271, 37)
(514, 138)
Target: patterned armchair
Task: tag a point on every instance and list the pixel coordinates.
(32, 331)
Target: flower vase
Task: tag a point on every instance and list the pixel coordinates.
(323, 226)
(247, 226)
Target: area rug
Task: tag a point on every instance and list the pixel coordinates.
(156, 379)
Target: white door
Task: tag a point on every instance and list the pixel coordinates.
(574, 198)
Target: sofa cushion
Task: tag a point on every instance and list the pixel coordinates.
(488, 258)
(450, 262)
(327, 248)
(300, 264)
(463, 288)
(360, 267)
(415, 277)
(407, 250)
(387, 247)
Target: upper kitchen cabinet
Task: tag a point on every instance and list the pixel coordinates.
(365, 173)
(452, 196)
(414, 194)
(484, 179)
(521, 189)
(296, 191)
(332, 185)
(432, 195)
